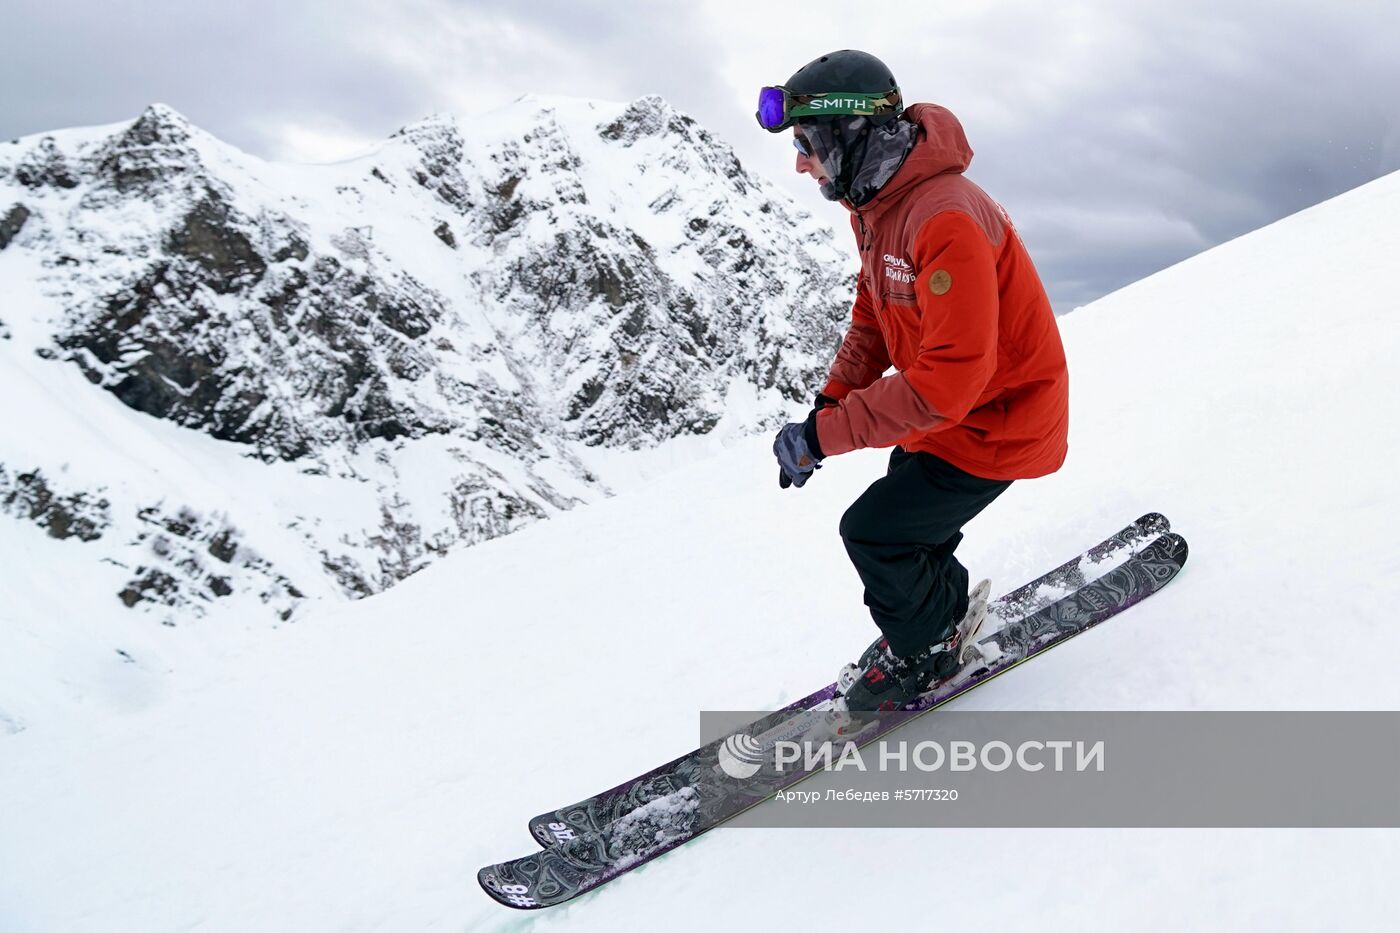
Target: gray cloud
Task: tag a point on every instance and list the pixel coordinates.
(234, 69)
(1216, 120)
(1123, 137)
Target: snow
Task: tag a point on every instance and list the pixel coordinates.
(351, 771)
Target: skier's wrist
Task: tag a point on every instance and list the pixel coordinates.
(809, 434)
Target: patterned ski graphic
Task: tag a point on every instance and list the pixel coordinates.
(706, 798)
(595, 813)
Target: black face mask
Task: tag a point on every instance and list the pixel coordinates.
(858, 157)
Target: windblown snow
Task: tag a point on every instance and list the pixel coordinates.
(352, 770)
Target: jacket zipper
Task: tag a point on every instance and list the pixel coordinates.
(875, 303)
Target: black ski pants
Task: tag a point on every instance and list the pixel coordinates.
(901, 534)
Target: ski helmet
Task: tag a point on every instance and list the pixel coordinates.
(844, 83)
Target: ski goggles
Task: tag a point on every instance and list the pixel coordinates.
(778, 109)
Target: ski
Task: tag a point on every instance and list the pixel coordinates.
(706, 797)
(595, 813)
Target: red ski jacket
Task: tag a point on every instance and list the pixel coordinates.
(949, 296)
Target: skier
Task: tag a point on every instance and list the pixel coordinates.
(980, 393)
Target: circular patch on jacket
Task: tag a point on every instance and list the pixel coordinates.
(940, 282)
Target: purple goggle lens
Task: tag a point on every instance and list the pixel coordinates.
(772, 108)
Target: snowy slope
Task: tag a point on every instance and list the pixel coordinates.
(353, 771)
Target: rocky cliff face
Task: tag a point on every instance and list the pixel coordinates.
(405, 353)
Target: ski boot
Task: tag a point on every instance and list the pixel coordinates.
(881, 681)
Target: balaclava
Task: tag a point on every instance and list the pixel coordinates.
(857, 156)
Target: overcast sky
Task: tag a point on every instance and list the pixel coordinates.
(1121, 136)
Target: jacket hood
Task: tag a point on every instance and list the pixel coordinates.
(941, 147)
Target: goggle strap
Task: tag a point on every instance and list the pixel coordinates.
(840, 103)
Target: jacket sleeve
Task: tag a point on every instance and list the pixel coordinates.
(862, 357)
(956, 289)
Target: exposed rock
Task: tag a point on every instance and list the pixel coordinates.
(440, 167)
(154, 157)
(176, 574)
(12, 223)
(211, 240)
(29, 496)
(45, 166)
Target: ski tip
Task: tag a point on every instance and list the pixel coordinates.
(1170, 546)
(1154, 523)
(1180, 548)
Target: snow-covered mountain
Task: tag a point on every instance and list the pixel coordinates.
(235, 385)
(354, 770)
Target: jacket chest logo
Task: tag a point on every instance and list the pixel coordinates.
(898, 269)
